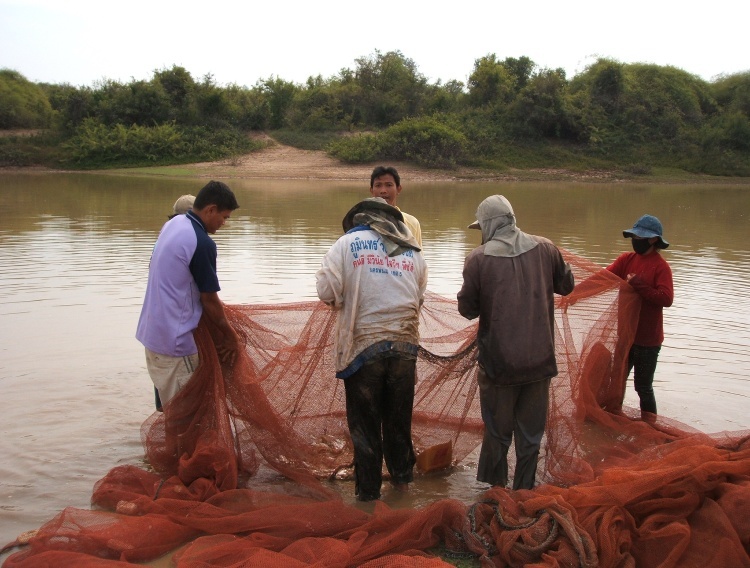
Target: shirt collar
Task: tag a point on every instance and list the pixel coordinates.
(358, 228)
(191, 215)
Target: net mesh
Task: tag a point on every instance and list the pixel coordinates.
(614, 489)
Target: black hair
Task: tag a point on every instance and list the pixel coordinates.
(383, 170)
(216, 193)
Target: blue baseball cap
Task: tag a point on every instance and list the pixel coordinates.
(647, 227)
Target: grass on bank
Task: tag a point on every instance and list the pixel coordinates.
(305, 140)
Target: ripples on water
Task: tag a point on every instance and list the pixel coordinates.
(72, 376)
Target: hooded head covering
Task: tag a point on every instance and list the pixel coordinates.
(496, 220)
(384, 219)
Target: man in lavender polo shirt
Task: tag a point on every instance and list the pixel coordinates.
(182, 285)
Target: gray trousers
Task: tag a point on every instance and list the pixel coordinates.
(511, 413)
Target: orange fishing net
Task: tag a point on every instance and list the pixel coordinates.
(614, 490)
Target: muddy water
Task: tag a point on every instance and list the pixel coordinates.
(74, 253)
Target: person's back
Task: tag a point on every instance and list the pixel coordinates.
(376, 278)
(519, 292)
(509, 282)
(383, 291)
(379, 295)
(172, 307)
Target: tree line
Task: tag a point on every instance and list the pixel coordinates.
(510, 113)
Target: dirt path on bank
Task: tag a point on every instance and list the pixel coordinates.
(278, 161)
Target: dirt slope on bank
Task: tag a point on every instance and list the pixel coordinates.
(278, 161)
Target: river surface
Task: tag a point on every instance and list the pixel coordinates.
(74, 253)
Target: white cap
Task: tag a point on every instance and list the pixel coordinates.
(183, 204)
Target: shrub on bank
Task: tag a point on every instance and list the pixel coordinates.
(424, 141)
(13, 154)
(38, 148)
(98, 145)
(357, 149)
(23, 104)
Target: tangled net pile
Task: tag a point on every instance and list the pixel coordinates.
(614, 490)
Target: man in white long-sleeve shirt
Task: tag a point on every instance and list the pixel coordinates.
(375, 276)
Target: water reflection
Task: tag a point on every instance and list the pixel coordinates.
(74, 252)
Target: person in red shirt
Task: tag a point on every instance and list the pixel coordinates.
(651, 277)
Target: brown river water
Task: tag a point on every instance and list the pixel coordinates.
(74, 253)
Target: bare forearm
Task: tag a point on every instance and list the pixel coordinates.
(213, 308)
(228, 345)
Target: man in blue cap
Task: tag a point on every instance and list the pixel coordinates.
(650, 276)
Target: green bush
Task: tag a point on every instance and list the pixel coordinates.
(732, 92)
(95, 144)
(23, 104)
(425, 141)
(41, 149)
(13, 154)
(725, 145)
(730, 130)
(357, 149)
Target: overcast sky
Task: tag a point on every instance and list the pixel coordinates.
(84, 41)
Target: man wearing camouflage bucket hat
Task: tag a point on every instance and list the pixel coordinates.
(374, 276)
